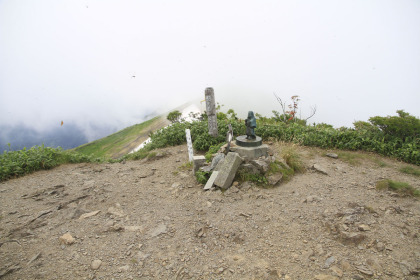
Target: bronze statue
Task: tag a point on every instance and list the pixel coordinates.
(251, 124)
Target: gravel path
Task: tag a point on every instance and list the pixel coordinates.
(150, 219)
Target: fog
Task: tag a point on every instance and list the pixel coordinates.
(104, 65)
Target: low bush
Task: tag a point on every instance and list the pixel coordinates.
(18, 163)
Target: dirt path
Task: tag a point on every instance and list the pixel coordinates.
(155, 222)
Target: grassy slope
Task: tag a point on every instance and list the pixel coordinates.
(123, 141)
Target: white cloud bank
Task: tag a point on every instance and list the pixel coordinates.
(110, 63)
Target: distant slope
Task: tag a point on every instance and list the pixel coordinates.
(123, 141)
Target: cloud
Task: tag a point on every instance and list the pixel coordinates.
(111, 64)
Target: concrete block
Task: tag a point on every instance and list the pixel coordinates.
(210, 181)
(198, 161)
(251, 153)
(228, 170)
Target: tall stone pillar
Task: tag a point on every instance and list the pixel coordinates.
(211, 112)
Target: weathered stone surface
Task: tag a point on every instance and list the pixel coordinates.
(96, 264)
(331, 155)
(228, 170)
(66, 239)
(160, 229)
(216, 160)
(90, 214)
(249, 168)
(274, 179)
(251, 152)
(219, 165)
(211, 112)
(116, 211)
(261, 165)
(198, 161)
(319, 169)
(210, 181)
(352, 238)
(363, 227)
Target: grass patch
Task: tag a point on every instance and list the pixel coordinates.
(379, 162)
(186, 166)
(410, 170)
(141, 154)
(293, 159)
(113, 144)
(350, 158)
(258, 179)
(399, 187)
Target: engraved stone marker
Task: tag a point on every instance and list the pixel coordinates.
(211, 112)
(189, 144)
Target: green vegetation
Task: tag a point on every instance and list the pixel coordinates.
(258, 179)
(212, 150)
(293, 159)
(18, 163)
(174, 116)
(410, 170)
(396, 136)
(350, 157)
(202, 176)
(400, 187)
(323, 136)
(114, 143)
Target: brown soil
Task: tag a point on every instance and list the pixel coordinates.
(156, 222)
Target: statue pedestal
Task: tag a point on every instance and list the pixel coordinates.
(250, 149)
(243, 142)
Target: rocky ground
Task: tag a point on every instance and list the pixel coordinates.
(150, 219)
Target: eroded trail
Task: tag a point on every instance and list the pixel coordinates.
(151, 220)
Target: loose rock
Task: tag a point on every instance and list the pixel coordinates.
(66, 239)
(96, 264)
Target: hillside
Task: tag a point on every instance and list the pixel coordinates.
(150, 219)
(122, 142)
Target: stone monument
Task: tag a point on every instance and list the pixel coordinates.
(211, 112)
(250, 146)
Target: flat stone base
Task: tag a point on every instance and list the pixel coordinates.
(251, 152)
(243, 142)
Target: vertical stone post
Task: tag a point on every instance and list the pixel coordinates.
(189, 145)
(211, 112)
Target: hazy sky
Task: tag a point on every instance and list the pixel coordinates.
(75, 60)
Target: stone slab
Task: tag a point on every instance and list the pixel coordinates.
(198, 161)
(210, 181)
(251, 152)
(228, 170)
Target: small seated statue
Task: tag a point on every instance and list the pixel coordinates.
(251, 124)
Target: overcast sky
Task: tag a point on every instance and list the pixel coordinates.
(75, 61)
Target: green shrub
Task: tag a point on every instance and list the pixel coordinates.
(174, 116)
(402, 126)
(212, 150)
(202, 176)
(18, 163)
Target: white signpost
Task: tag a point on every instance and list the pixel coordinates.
(189, 144)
